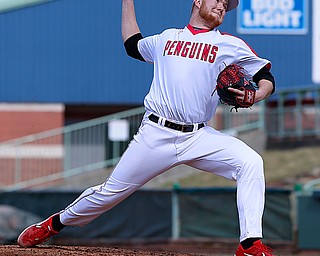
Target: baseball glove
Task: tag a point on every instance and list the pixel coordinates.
(235, 76)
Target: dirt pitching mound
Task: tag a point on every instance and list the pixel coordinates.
(9, 250)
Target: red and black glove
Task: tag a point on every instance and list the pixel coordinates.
(234, 76)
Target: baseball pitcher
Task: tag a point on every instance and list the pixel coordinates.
(189, 72)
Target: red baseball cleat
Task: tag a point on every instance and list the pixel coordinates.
(257, 249)
(37, 233)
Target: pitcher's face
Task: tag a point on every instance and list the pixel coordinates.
(212, 12)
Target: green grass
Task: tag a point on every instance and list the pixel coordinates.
(282, 168)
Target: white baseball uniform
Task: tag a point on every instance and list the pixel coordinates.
(186, 64)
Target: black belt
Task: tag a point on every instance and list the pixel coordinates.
(178, 127)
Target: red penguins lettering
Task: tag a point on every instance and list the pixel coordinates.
(191, 50)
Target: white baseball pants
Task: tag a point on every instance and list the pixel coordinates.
(155, 149)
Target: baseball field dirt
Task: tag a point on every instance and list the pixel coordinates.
(10, 250)
(14, 250)
(195, 248)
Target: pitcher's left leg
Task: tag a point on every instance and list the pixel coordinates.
(147, 156)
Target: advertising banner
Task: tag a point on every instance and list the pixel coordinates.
(273, 17)
(316, 43)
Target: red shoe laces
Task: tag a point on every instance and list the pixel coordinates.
(42, 231)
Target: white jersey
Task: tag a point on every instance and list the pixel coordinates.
(186, 65)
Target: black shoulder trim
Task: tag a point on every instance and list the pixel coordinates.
(131, 46)
(264, 73)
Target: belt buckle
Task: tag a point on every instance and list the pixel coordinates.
(187, 128)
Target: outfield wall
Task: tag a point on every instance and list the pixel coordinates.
(209, 213)
(165, 214)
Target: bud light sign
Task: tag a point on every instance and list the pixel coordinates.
(273, 17)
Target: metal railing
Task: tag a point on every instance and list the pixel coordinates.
(295, 113)
(6, 6)
(47, 158)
